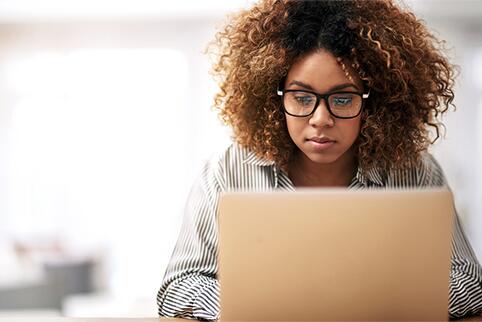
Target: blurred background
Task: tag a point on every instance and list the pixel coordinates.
(105, 120)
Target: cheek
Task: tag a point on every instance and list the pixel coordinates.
(295, 127)
(352, 128)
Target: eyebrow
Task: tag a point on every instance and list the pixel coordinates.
(334, 88)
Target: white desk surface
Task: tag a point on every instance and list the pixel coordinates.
(65, 319)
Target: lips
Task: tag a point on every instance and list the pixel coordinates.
(321, 139)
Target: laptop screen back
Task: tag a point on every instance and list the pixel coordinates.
(319, 255)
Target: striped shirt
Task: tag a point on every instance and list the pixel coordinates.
(190, 288)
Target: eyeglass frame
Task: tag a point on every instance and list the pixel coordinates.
(319, 97)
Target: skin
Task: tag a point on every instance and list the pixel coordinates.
(335, 166)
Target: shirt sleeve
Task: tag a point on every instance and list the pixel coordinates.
(465, 289)
(190, 288)
(465, 297)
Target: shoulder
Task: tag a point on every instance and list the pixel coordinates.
(426, 173)
(230, 157)
(239, 167)
(430, 171)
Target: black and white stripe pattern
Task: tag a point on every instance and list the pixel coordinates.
(190, 288)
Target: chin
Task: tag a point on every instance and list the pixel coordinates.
(322, 158)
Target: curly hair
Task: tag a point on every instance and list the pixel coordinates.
(410, 80)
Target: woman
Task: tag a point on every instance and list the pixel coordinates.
(319, 94)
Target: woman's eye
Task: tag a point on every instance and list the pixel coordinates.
(341, 101)
(304, 100)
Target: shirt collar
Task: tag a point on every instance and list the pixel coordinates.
(254, 159)
(373, 175)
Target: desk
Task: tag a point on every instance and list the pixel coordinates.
(61, 319)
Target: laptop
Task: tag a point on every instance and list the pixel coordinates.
(335, 255)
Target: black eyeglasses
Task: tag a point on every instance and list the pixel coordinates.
(343, 105)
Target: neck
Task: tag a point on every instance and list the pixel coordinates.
(305, 173)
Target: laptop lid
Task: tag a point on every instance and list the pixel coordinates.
(320, 255)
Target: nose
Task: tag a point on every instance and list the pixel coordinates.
(322, 117)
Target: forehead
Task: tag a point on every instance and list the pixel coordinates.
(321, 70)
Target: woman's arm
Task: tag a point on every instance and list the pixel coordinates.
(465, 292)
(190, 288)
(466, 277)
